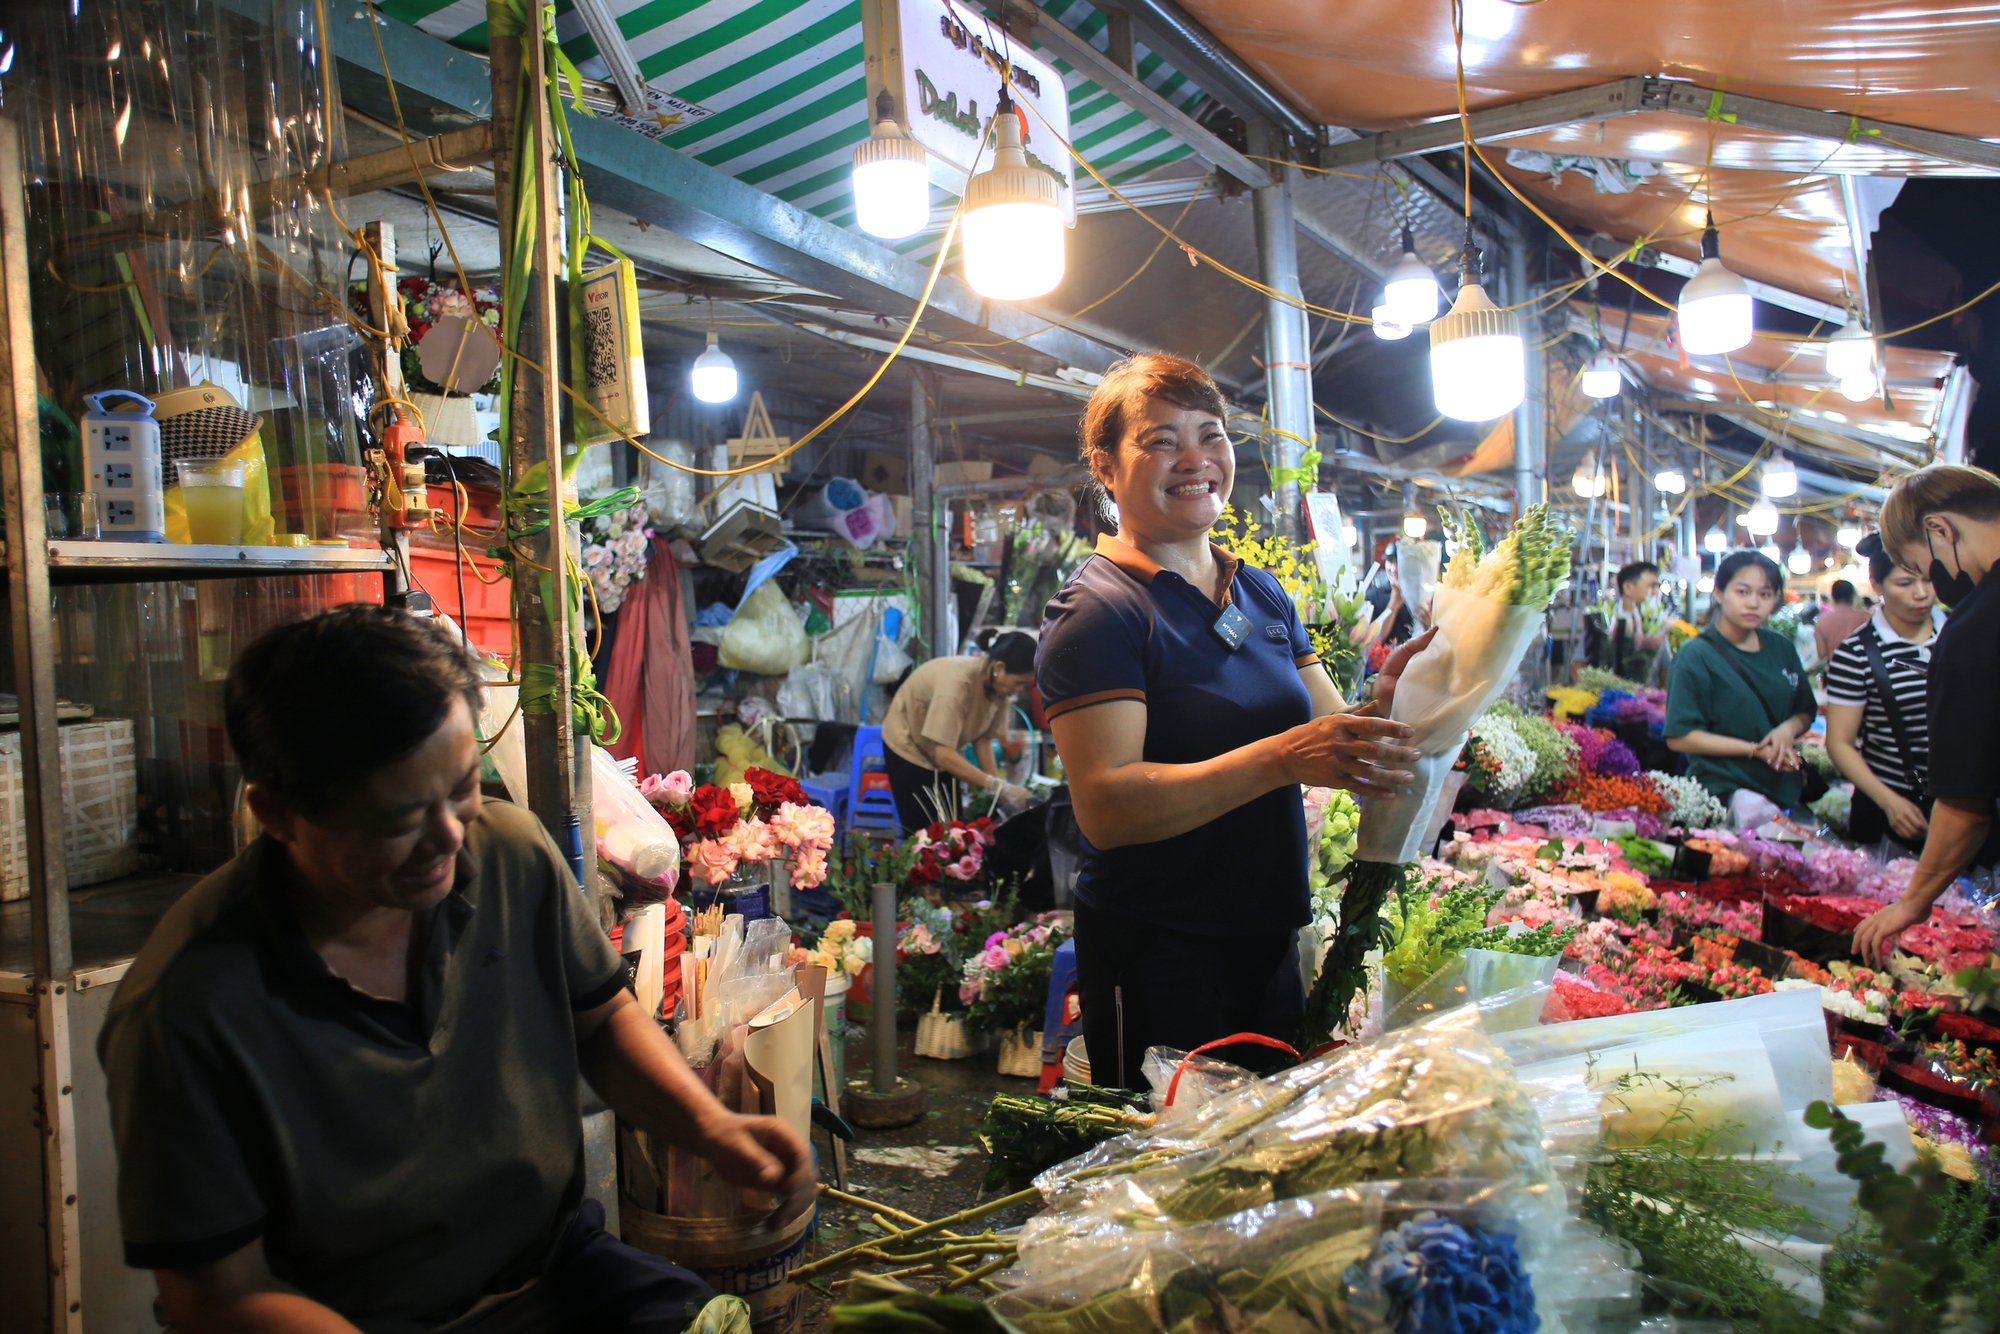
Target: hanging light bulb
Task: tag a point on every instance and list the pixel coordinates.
(1851, 350)
(1716, 541)
(1860, 388)
(1705, 584)
(1600, 378)
(1780, 478)
(1770, 552)
(1800, 561)
(1347, 534)
(1412, 293)
(1415, 525)
(892, 191)
(1589, 480)
(1848, 536)
(1761, 519)
(1013, 219)
(1478, 359)
(1715, 304)
(1670, 480)
(1387, 326)
(713, 378)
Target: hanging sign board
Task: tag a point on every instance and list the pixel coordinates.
(941, 61)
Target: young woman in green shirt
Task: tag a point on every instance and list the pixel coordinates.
(1738, 699)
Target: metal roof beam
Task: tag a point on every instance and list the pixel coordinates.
(1080, 55)
(1218, 70)
(1645, 93)
(603, 27)
(664, 188)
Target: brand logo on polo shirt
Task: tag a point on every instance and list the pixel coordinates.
(1276, 632)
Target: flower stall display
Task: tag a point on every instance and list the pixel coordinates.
(614, 553)
(954, 849)
(1488, 605)
(1555, 753)
(1005, 988)
(841, 949)
(765, 818)
(1499, 765)
(1432, 924)
(424, 303)
(1689, 804)
(1331, 818)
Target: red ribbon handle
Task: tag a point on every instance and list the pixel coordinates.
(1173, 1085)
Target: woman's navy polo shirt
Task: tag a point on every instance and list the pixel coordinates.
(1124, 628)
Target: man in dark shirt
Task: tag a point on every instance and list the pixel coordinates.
(345, 1070)
(1944, 520)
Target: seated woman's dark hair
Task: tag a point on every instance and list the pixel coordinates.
(1014, 651)
(314, 707)
(1880, 567)
(1737, 561)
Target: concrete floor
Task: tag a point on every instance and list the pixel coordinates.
(940, 1165)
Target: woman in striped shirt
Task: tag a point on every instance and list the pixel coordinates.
(1877, 729)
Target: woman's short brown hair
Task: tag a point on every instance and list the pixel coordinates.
(1139, 377)
(1942, 488)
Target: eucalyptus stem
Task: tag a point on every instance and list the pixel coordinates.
(979, 1274)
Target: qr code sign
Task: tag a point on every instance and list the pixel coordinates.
(600, 347)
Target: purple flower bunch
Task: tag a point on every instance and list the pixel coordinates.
(1644, 823)
(1832, 870)
(1562, 821)
(1436, 1277)
(1599, 752)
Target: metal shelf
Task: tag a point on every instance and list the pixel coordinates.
(108, 924)
(72, 562)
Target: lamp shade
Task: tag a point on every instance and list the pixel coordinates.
(1800, 561)
(1780, 478)
(1013, 221)
(1589, 480)
(713, 378)
(1715, 305)
(1478, 359)
(1850, 352)
(1762, 519)
(1848, 536)
(1600, 378)
(1715, 540)
(1670, 481)
(1415, 525)
(892, 191)
(1412, 292)
(1861, 387)
(1387, 326)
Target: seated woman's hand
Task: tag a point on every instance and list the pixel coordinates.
(1348, 750)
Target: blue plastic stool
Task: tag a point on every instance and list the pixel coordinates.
(870, 802)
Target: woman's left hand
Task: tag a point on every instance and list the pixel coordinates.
(1778, 750)
(1385, 680)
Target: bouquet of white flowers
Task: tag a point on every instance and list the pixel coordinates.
(1487, 608)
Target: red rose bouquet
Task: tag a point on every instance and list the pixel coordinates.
(767, 817)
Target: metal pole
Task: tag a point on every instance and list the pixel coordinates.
(1530, 419)
(558, 782)
(34, 681)
(884, 970)
(1287, 374)
(933, 578)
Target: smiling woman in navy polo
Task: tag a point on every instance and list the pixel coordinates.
(1188, 706)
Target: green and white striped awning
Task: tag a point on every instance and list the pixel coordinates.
(783, 81)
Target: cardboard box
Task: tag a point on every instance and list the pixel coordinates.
(882, 470)
(963, 472)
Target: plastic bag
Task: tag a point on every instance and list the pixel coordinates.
(1204, 1078)
(808, 694)
(764, 636)
(1417, 566)
(631, 835)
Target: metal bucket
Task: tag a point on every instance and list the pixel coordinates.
(735, 1256)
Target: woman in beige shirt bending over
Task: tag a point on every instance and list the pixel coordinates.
(943, 706)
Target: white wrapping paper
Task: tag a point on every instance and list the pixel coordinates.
(1465, 668)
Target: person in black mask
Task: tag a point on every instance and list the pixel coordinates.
(1945, 521)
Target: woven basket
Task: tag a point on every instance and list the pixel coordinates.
(947, 1037)
(1021, 1055)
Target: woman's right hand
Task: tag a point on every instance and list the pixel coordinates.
(1348, 750)
(1906, 817)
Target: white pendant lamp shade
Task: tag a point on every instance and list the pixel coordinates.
(1415, 525)
(713, 378)
(1715, 541)
(1770, 551)
(1705, 584)
(1670, 481)
(1013, 221)
(1849, 536)
(1780, 479)
(1412, 293)
(1478, 359)
(1800, 561)
(1851, 351)
(892, 192)
(1715, 304)
(1600, 377)
(1762, 519)
(1387, 326)
(1860, 388)
(1347, 534)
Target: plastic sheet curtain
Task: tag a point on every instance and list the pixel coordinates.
(160, 255)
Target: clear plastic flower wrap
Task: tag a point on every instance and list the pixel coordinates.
(1436, 1099)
